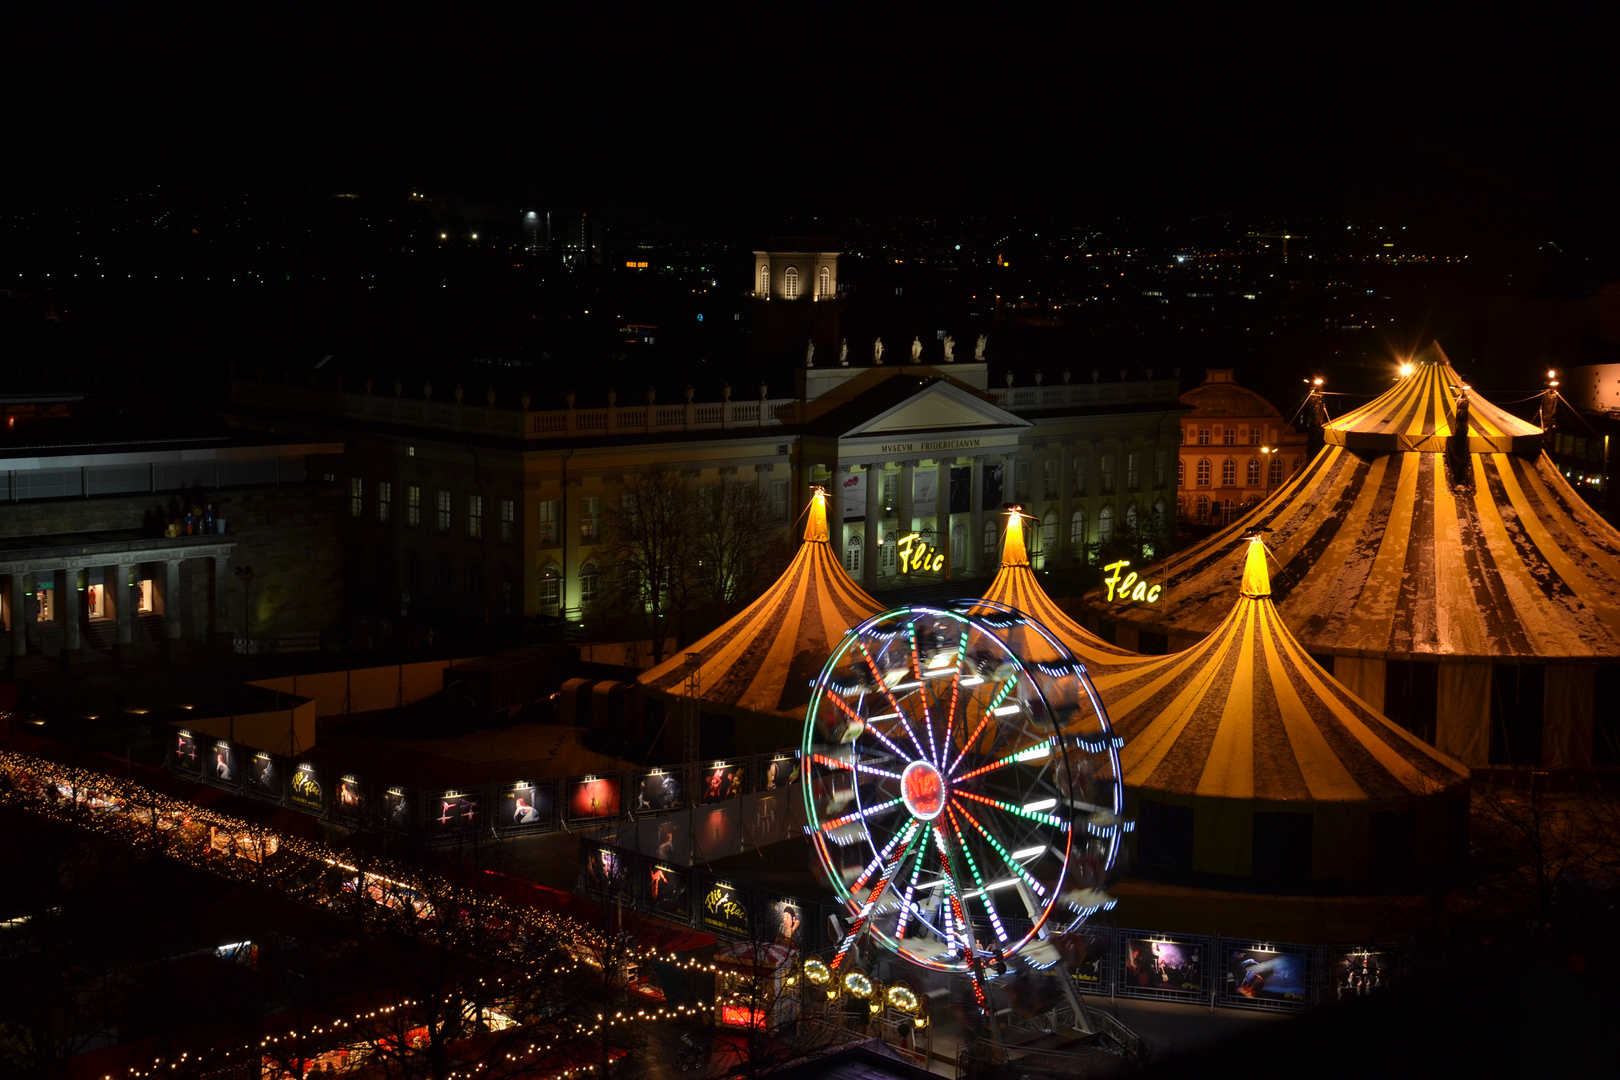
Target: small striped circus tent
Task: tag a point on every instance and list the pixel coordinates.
(1015, 586)
(758, 666)
(1245, 763)
(1439, 558)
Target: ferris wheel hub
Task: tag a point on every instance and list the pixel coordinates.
(923, 790)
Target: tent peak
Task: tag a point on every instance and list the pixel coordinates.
(815, 518)
(1014, 552)
(1256, 578)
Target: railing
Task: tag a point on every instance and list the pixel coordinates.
(652, 418)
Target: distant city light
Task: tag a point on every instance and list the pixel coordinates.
(444, 236)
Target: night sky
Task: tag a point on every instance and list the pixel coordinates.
(1476, 117)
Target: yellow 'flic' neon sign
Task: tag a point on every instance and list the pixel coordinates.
(916, 555)
(1132, 588)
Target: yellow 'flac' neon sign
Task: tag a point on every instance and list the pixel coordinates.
(1132, 588)
(916, 555)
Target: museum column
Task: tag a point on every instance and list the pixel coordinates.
(173, 606)
(124, 602)
(18, 606)
(835, 510)
(1065, 486)
(874, 523)
(975, 544)
(907, 522)
(72, 641)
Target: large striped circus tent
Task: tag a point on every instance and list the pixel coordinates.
(1246, 763)
(1016, 586)
(1435, 558)
(757, 667)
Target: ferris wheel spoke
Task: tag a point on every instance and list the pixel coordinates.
(859, 924)
(854, 766)
(1020, 811)
(978, 879)
(985, 717)
(866, 724)
(895, 841)
(1006, 857)
(911, 888)
(1029, 753)
(860, 815)
(922, 693)
(899, 713)
(962, 927)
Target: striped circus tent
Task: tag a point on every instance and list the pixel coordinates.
(1244, 759)
(758, 666)
(1015, 585)
(1457, 581)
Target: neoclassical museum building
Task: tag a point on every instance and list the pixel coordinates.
(472, 504)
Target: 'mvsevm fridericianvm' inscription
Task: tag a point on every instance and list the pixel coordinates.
(921, 447)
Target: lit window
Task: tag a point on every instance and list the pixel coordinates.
(1181, 472)
(95, 602)
(824, 282)
(1021, 481)
(1203, 436)
(144, 594)
(385, 500)
(357, 500)
(1049, 531)
(790, 283)
(1228, 473)
(888, 554)
(1161, 517)
(1077, 474)
(444, 511)
(958, 545)
(991, 535)
(764, 281)
(550, 586)
(590, 583)
(1203, 472)
(1133, 472)
(1077, 528)
(475, 517)
(1254, 436)
(548, 521)
(852, 553)
(590, 518)
(1203, 508)
(779, 500)
(1275, 474)
(413, 505)
(1229, 438)
(1133, 520)
(508, 520)
(1108, 474)
(1049, 478)
(1253, 475)
(1105, 524)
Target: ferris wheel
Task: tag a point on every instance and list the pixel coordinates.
(964, 798)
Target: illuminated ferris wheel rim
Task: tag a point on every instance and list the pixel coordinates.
(935, 788)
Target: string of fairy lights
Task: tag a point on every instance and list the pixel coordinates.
(448, 915)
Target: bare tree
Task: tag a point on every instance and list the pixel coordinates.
(648, 546)
(739, 548)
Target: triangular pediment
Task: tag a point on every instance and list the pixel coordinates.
(939, 406)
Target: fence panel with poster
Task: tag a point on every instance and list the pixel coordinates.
(1172, 966)
(1353, 971)
(1264, 975)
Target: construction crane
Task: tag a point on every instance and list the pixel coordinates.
(1283, 236)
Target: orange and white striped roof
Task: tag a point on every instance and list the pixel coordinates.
(764, 658)
(1247, 714)
(1413, 550)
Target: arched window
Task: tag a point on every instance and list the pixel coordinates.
(958, 545)
(1254, 472)
(790, 283)
(1276, 470)
(890, 552)
(1203, 472)
(1049, 531)
(1133, 520)
(550, 586)
(927, 535)
(765, 281)
(1077, 528)
(1298, 466)
(852, 553)
(1181, 472)
(1105, 524)
(1203, 508)
(824, 282)
(1228, 473)
(1161, 517)
(991, 535)
(590, 583)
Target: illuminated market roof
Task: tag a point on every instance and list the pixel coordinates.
(1016, 586)
(764, 658)
(1391, 554)
(1247, 714)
